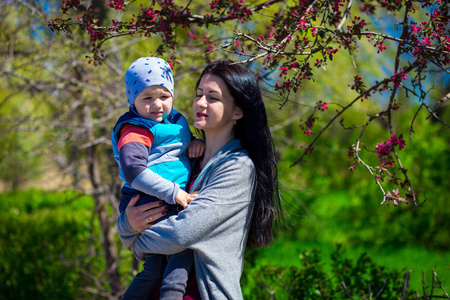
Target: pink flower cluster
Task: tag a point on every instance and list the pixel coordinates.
(117, 4)
(367, 8)
(422, 37)
(302, 23)
(357, 81)
(380, 46)
(336, 14)
(236, 8)
(359, 87)
(394, 105)
(310, 120)
(69, 4)
(385, 148)
(90, 24)
(358, 23)
(391, 5)
(323, 106)
(309, 123)
(394, 197)
(319, 63)
(399, 77)
(288, 84)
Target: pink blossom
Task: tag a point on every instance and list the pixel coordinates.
(426, 41)
(302, 23)
(323, 106)
(415, 28)
(309, 122)
(385, 148)
(399, 77)
(381, 47)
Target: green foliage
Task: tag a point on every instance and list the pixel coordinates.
(18, 163)
(365, 277)
(340, 206)
(309, 279)
(47, 250)
(49, 245)
(327, 204)
(19, 160)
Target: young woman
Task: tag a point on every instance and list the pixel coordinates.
(237, 201)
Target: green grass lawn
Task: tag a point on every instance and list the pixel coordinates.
(286, 253)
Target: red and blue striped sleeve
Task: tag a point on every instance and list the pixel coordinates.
(134, 145)
(134, 148)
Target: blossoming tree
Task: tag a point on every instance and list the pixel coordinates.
(288, 42)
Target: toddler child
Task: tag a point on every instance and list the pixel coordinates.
(150, 143)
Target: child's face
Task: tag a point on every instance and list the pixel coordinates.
(154, 103)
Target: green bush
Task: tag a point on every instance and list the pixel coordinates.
(46, 247)
(359, 278)
(50, 249)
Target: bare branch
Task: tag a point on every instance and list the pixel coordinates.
(282, 44)
(432, 113)
(406, 284)
(424, 286)
(443, 99)
(404, 41)
(436, 279)
(285, 123)
(363, 163)
(346, 292)
(344, 17)
(411, 129)
(381, 289)
(367, 92)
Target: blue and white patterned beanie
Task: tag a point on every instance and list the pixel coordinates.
(145, 72)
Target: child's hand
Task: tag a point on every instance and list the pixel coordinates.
(196, 149)
(184, 198)
(191, 197)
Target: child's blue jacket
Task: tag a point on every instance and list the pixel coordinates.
(168, 165)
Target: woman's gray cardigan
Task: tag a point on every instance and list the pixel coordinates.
(215, 225)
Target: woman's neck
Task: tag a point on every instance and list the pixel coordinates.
(213, 143)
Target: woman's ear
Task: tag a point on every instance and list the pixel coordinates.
(238, 113)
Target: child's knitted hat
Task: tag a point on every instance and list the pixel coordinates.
(145, 72)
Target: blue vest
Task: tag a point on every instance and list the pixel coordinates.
(168, 154)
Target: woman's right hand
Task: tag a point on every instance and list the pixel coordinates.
(140, 217)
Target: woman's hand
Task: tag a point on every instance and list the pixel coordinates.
(140, 217)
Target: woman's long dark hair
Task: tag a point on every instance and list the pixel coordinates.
(253, 132)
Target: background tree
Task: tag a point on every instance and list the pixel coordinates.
(48, 90)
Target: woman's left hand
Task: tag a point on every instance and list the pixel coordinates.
(140, 217)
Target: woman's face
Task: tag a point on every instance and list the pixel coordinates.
(214, 109)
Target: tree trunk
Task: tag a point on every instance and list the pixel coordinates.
(100, 197)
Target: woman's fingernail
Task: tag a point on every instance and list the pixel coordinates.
(160, 203)
(163, 213)
(166, 208)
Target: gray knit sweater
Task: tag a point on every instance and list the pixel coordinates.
(215, 225)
